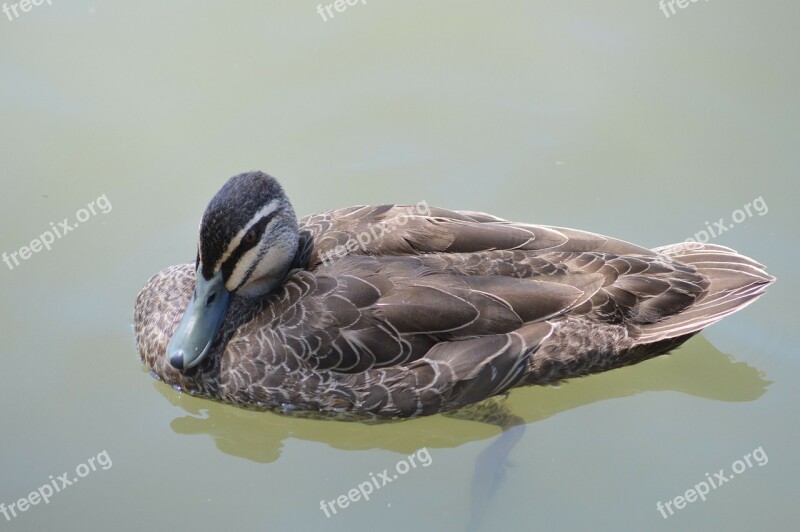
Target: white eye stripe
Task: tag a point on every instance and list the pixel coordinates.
(244, 267)
(267, 209)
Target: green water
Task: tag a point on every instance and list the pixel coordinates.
(608, 116)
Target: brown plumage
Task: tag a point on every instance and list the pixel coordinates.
(404, 311)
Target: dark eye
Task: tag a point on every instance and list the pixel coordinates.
(249, 237)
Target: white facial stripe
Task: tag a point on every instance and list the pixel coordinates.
(239, 272)
(237, 239)
(268, 268)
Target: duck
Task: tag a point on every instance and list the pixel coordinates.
(399, 311)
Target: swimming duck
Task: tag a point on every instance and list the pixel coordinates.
(410, 310)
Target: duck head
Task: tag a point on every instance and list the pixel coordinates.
(248, 241)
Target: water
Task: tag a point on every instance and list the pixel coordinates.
(611, 118)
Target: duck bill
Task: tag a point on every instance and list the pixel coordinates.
(200, 324)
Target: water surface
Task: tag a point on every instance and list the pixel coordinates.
(608, 117)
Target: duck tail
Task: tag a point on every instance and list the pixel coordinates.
(734, 281)
(578, 347)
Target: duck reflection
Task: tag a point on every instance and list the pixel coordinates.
(697, 369)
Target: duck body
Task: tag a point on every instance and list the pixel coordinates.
(399, 311)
